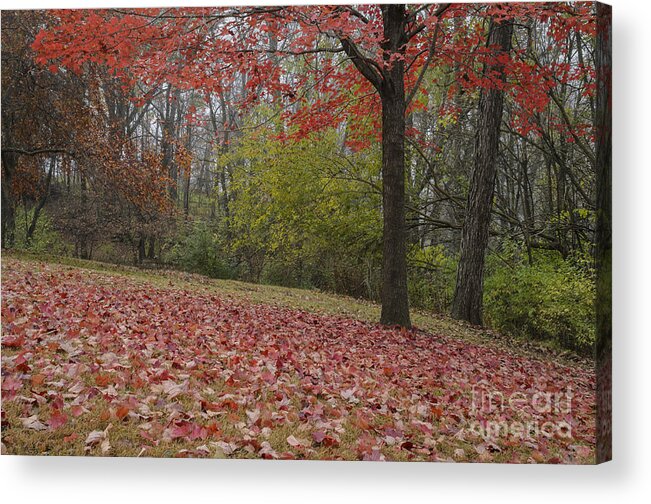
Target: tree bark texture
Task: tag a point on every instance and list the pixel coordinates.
(467, 302)
(395, 302)
(8, 204)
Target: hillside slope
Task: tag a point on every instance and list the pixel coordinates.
(130, 363)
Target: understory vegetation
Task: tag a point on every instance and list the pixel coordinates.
(550, 299)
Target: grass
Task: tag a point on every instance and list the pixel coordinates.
(322, 303)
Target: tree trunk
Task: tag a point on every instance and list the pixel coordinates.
(167, 140)
(467, 303)
(82, 248)
(141, 249)
(187, 175)
(186, 195)
(603, 249)
(395, 302)
(41, 204)
(395, 305)
(389, 81)
(151, 249)
(8, 205)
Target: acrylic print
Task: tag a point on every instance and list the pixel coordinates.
(352, 232)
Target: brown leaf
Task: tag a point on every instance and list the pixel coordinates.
(33, 423)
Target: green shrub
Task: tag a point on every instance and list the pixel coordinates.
(431, 278)
(45, 239)
(553, 299)
(200, 250)
(285, 273)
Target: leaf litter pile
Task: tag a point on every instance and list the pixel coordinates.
(96, 364)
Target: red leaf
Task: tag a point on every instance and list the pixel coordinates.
(57, 419)
(102, 380)
(38, 379)
(323, 439)
(329, 373)
(20, 363)
(77, 411)
(15, 342)
(268, 377)
(122, 412)
(181, 430)
(11, 383)
(230, 404)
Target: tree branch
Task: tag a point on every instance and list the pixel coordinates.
(37, 152)
(430, 55)
(419, 28)
(367, 67)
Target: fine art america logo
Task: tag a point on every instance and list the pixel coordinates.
(519, 415)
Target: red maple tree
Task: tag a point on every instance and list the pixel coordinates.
(364, 61)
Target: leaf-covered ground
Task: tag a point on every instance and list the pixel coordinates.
(98, 364)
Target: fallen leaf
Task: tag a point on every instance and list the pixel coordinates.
(297, 442)
(57, 419)
(33, 423)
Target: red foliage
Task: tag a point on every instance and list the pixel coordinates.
(209, 48)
